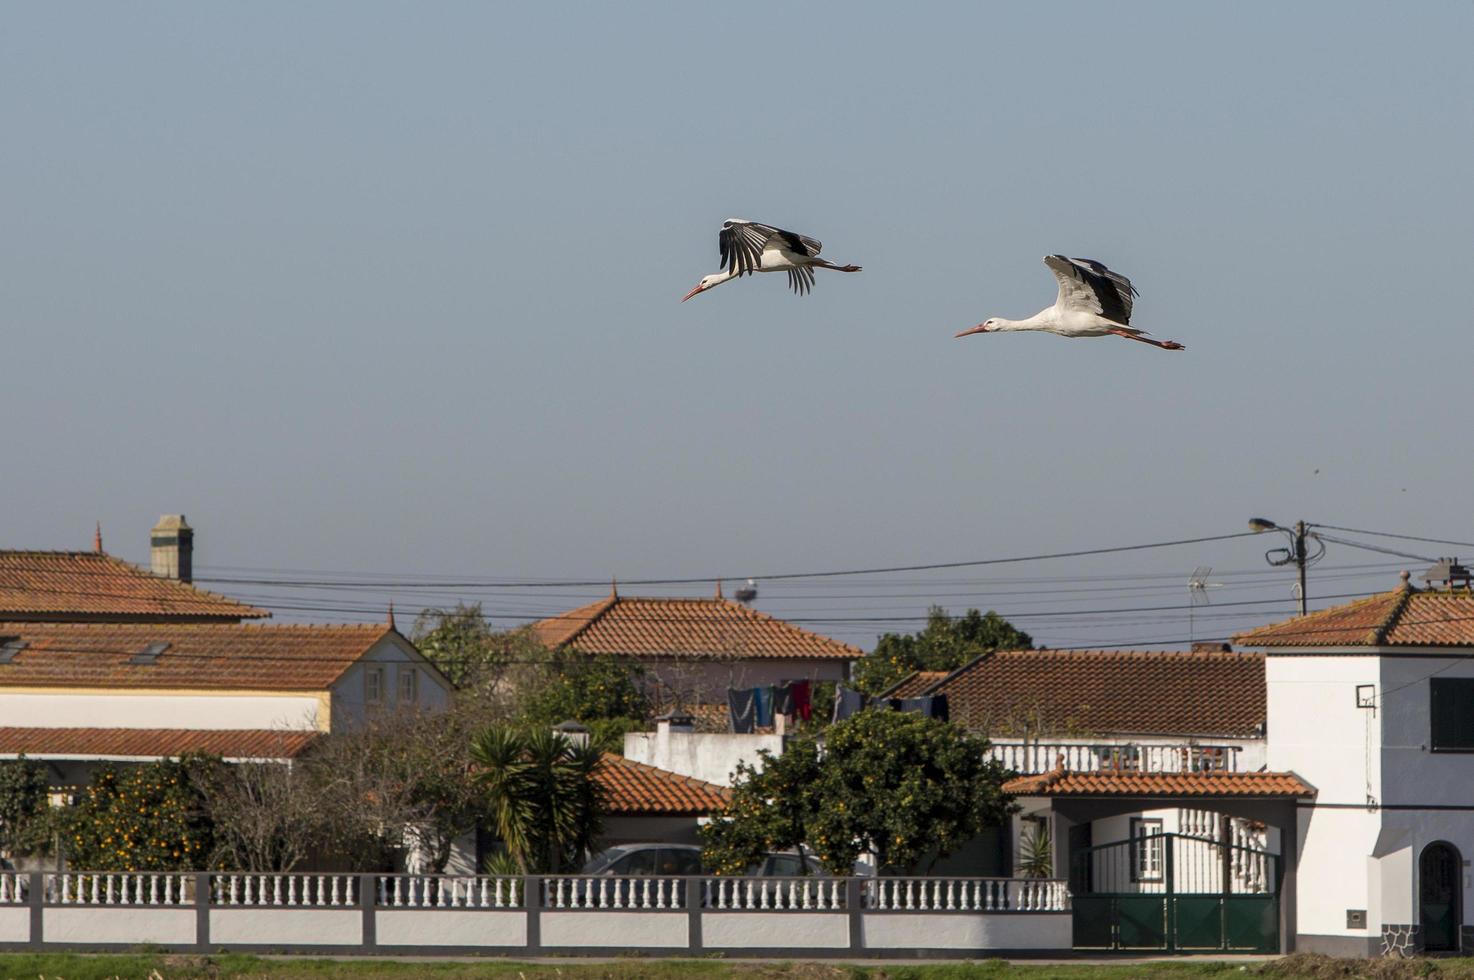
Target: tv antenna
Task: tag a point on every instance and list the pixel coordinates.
(1197, 595)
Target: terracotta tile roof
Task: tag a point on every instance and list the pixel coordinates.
(915, 684)
(701, 628)
(210, 656)
(1403, 617)
(635, 788)
(70, 743)
(1062, 782)
(87, 585)
(1107, 692)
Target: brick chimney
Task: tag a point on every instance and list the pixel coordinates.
(172, 548)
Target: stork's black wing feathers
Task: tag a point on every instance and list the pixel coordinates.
(741, 243)
(801, 280)
(1086, 283)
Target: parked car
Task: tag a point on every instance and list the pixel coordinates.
(646, 859)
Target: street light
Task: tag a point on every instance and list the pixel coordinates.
(1295, 553)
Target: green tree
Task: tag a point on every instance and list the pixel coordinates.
(606, 694)
(906, 788)
(140, 818)
(24, 808)
(945, 643)
(460, 643)
(771, 809)
(541, 795)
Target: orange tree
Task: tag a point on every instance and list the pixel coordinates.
(140, 818)
(906, 789)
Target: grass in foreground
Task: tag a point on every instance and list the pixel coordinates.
(146, 966)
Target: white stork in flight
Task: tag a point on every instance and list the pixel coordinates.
(1093, 302)
(751, 246)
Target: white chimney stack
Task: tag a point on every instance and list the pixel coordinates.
(171, 548)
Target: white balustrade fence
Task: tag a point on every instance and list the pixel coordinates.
(14, 888)
(1032, 758)
(821, 894)
(528, 915)
(966, 895)
(285, 890)
(634, 892)
(449, 891)
(119, 888)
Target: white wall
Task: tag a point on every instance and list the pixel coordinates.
(392, 656)
(1315, 728)
(1410, 772)
(712, 757)
(204, 710)
(1019, 930)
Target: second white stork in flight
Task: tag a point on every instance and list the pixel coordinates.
(751, 246)
(1093, 302)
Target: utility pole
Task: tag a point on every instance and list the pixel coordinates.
(1296, 553)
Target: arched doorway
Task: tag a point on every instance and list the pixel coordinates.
(1440, 881)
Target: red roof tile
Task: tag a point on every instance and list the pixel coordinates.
(635, 788)
(210, 656)
(1107, 692)
(51, 586)
(1403, 617)
(915, 684)
(697, 628)
(151, 743)
(1113, 782)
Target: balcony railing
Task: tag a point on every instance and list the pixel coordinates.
(1031, 758)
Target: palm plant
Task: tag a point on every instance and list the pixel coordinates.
(541, 795)
(1036, 852)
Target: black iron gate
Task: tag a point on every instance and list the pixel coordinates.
(1175, 893)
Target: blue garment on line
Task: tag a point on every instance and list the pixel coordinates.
(764, 696)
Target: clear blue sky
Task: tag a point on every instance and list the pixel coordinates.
(392, 290)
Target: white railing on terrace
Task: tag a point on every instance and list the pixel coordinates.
(286, 890)
(966, 894)
(15, 889)
(449, 891)
(1030, 758)
(820, 894)
(633, 892)
(119, 888)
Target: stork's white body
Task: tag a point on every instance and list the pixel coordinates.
(1093, 301)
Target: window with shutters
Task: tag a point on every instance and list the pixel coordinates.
(1451, 714)
(1146, 849)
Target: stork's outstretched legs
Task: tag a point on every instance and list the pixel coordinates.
(838, 268)
(1164, 344)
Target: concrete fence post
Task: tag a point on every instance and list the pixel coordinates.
(853, 903)
(532, 900)
(38, 907)
(693, 914)
(367, 901)
(202, 911)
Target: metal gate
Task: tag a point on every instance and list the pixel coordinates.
(1175, 893)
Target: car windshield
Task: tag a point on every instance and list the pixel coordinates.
(599, 863)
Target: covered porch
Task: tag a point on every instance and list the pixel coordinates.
(1169, 861)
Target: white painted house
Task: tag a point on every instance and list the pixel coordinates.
(1373, 703)
(74, 694)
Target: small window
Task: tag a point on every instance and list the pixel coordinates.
(9, 647)
(373, 685)
(1146, 849)
(409, 685)
(1451, 714)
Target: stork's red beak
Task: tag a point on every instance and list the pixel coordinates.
(980, 328)
(693, 292)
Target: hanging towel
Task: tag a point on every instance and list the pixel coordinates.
(783, 699)
(741, 709)
(764, 698)
(802, 706)
(847, 702)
